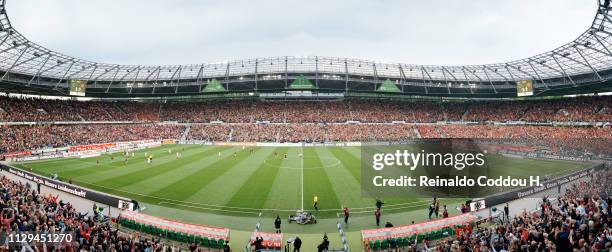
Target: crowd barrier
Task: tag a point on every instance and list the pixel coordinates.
(501, 198)
(103, 198)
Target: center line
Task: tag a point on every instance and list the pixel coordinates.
(302, 171)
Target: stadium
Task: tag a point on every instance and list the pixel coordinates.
(249, 155)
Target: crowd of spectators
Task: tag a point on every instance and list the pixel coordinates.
(579, 109)
(555, 139)
(513, 132)
(579, 220)
(21, 138)
(24, 209)
(260, 121)
(583, 109)
(569, 140)
(501, 111)
(307, 133)
(370, 132)
(209, 132)
(293, 133)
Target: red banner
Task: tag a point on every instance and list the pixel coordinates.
(17, 154)
(270, 240)
(91, 147)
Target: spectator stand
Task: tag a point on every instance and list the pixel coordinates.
(402, 236)
(206, 236)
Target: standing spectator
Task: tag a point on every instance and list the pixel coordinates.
(445, 213)
(297, 244)
(437, 209)
(379, 204)
(464, 208)
(324, 246)
(259, 243)
(431, 210)
(193, 247)
(507, 212)
(346, 215)
(277, 224)
(5, 219)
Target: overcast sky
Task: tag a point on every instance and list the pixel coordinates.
(200, 31)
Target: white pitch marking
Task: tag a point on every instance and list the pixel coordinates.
(302, 170)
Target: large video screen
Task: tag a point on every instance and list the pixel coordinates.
(524, 88)
(77, 87)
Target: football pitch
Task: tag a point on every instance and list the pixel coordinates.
(231, 189)
(247, 181)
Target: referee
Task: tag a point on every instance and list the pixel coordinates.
(315, 201)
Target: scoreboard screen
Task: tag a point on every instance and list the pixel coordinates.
(524, 88)
(77, 87)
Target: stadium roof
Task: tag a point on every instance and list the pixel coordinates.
(582, 64)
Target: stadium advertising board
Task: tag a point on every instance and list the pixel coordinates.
(17, 154)
(38, 157)
(200, 142)
(115, 146)
(524, 88)
(91, 147)
(238, 144)
(270, 240)
(102, 198)
(168, 141)
(78, 87)
(546, 185)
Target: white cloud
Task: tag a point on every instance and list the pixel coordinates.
(191, 31)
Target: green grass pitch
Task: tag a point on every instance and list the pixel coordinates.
(231, 190)
(246, 181)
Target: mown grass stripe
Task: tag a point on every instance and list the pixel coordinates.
(85, 167)
(345, 185)
(186, 187)
(136, 162)
(286, 187)
(316, 182)
(63, 166)
(255, 191)
(351, 163)
(154, 170)
(221, 190)
(153, 183)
